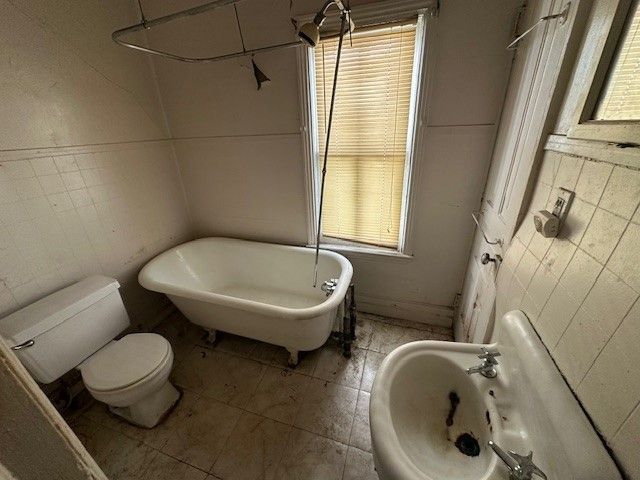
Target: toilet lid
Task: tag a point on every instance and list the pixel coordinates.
(125, 362)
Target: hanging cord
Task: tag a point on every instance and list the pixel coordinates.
(349, 20)
(326, 146)
(143, 19)
(395, 131)
(292, 17)
(235, 8)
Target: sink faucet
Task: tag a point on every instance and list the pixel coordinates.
(520, 467)
(488, 367)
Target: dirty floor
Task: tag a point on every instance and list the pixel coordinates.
(245, 416)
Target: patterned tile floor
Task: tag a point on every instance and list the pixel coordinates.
(245, 416)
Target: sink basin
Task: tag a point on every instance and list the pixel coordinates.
(437, 411)
(431, 421)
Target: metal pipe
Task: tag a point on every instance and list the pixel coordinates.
(147, 24)
(326, 145)
(353, 311)
(322, 13)
(349, 321)
(218, 58)
(310, 32)
(346, 329)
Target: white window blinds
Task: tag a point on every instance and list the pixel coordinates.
(620, 99)
(368, 146)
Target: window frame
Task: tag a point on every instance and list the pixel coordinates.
(595, 71)
(309, 129)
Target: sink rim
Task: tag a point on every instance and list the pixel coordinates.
(387, 443)
(527, 383)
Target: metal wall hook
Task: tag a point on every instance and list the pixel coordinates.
(495, 242)
(562, 16)
(27, 344)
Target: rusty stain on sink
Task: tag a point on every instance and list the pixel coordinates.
(454, 400)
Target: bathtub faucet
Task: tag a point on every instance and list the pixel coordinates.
(328, 286)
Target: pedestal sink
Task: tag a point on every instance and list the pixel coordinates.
(430, 420)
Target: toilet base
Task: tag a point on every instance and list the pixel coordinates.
(151, 409)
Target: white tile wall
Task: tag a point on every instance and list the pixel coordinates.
(581, 291)
(568, 173)
(622, 194)
(625, 442)
(602, 235)
(611, 388)
(70, 207)
(98, 210)
(626, 257)
(593, 179)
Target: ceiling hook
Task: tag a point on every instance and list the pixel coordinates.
(143, 19)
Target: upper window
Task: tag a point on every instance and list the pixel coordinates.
(620, 98)
(366, 189)
(606, 82)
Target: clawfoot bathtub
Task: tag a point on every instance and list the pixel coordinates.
(258, 290)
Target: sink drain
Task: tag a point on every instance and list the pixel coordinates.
(468, 445)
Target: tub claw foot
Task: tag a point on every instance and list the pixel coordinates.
(293, 358)
(211, 336)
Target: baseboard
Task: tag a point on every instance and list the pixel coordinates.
(415, 311)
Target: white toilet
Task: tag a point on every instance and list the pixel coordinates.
(75, 328)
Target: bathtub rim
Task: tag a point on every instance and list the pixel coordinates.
(146, 280)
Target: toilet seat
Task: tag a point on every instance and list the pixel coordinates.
(126, 371)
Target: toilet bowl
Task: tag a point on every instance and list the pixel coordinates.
(131, 376)
(75, 328)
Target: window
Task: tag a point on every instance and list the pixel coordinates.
(620, 98)
(369, 161)
(607, 76)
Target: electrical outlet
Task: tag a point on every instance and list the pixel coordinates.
(563, 203)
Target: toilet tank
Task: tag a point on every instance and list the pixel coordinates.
(66, 327)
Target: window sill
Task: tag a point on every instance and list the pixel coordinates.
(363, 251)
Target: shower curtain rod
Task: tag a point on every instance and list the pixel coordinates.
(148, 24)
